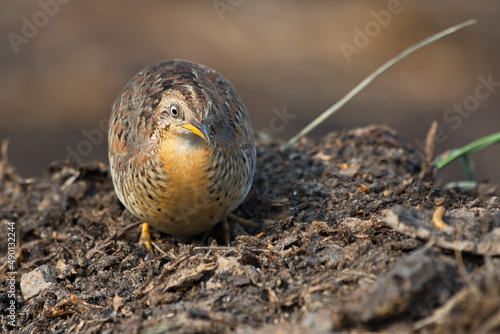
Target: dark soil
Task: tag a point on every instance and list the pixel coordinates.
(320, 255)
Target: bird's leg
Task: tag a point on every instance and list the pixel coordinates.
(225, 227)
(225, 230)
(233, 219)
(145, 238)
(239, 220)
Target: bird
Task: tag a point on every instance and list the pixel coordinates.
(181, 149)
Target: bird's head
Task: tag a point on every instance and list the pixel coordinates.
(184, 111)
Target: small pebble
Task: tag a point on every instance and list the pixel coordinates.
(37, 280)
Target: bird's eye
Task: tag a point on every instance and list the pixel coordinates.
(174, 111)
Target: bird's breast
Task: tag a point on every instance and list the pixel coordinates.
(182, 199)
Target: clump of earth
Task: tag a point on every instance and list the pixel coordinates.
(342, 237)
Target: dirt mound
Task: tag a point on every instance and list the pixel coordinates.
(342, 238)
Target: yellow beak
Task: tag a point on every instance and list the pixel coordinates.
(198, 129)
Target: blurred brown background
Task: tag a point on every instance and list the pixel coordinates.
(74, 57)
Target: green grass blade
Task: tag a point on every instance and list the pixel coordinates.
(479, 144)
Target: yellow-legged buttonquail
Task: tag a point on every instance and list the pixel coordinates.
(181, 148)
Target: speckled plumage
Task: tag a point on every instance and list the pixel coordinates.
(181, 149)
